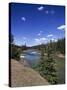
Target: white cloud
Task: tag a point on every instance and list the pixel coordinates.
(23, 19)
(40, 33)
(50, 35)
(37, 40)
(62, 27)
(40, 40)
(40, 8)
(49, 12)
(54, 39)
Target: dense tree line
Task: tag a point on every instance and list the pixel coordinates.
(15, 49)
(58, 46)
(46, 66)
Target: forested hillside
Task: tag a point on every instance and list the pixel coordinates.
(49, 65)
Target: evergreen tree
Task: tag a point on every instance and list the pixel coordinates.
(46, 66)
(50, 70)
(15, 50)
(61, 45)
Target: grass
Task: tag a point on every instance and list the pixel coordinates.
(60, 66)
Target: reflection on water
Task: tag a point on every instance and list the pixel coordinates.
(31, 56)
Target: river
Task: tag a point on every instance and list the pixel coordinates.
(32, 56)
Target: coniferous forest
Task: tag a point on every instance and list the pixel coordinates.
(51, 65)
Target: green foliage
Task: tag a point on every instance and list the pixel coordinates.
(46, 65)
(58, 46)
(15, 52)
(23, 47)
(50, 70)
(61, 45)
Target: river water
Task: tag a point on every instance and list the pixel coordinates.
(32, 56)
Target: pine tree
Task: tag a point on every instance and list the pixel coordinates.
(40, 66)
(50, 70)
(46, 66)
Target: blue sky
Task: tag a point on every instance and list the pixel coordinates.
(34, 24)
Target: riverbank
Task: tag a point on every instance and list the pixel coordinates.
(25, 76)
